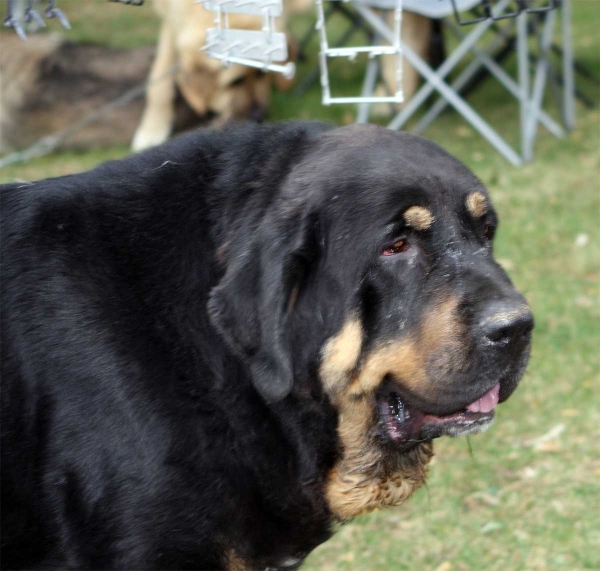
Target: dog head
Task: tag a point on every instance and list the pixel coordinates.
(232, 93)
(372, 275)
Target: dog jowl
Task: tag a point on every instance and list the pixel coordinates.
(434, 335)
(215, 350)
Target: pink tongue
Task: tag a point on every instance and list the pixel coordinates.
(487, 402)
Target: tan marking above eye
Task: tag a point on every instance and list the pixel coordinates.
(418, 217)
(476, 204)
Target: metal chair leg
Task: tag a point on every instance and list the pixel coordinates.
(539, 83)
(368, 88)
(436, 83)
(454, 58)
(523, 61)
(483, 60)
(569, 89)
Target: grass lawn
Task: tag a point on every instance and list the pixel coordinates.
(528, 497)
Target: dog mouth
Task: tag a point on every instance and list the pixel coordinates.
(405, 425)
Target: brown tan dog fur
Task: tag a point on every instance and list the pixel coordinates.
(362, 480)
(233, 92)
(476, 204)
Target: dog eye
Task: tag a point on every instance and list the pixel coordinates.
(238, 81)
(397, 247)
(488, 231)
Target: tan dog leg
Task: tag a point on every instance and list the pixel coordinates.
(157, 120)
(416, 32)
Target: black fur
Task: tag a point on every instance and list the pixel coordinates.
(160, 397)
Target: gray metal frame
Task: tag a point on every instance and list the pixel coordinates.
(530, 96)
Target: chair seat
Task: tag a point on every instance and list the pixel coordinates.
(429, 8)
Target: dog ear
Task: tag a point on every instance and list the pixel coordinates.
(252, 304)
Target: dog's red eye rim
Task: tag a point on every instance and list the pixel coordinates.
(488, 231)
(397, 247)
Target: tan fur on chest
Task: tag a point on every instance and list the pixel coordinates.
(363, 481)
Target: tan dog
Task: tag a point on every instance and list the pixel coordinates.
(209, 88)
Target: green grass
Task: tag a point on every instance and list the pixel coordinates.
(517, 503)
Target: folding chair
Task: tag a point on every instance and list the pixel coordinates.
(530, 97)
(423, 34)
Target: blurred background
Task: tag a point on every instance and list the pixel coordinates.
(525, 495)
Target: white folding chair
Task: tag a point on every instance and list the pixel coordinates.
(530, 97)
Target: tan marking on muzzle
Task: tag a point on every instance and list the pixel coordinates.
(439, 339)
(364, 479)
(360, 482)
(508, 316)
(402, 359)
(418, 217)
(443, 340)
(476, 204)
(340, 355)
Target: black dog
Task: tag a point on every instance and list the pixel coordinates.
(214, 350)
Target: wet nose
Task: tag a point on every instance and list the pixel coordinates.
(506, 323)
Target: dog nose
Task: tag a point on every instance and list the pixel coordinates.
(504, 324)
